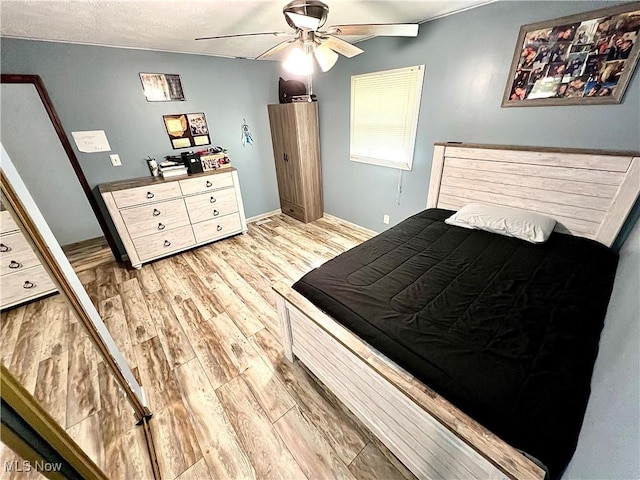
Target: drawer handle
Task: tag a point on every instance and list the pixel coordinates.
(4, 248)
(150, 195)
(216, 213)
(219, 228)
(28, 285)
(167, 243)
(213, 200)
(209, 184)
(15, 264)
(291, 210)
(285, 157)
(156, 212)
(161, 226)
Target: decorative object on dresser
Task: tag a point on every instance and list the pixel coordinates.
(187, 130)
(170, 168)
(296, 149)
(23, 278)
(156, 217)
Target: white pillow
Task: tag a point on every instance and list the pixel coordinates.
(512, 222)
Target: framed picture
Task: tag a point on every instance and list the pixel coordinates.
(584, 59)
(162, 87)
(187, 130)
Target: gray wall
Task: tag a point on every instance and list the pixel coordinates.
(98, 88)
(609, 443)
(467, 58)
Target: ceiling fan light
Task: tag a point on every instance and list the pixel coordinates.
(326, 57)
(298, 62)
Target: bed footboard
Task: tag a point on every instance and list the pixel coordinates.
(430, 436)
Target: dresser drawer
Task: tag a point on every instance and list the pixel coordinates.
(163, 243)
(147, 194)
(211, 205)
(7, 223)
(155, 217)
(24, 285)
(217, 228)
(16, 253)
(206, 183)
(293, 210)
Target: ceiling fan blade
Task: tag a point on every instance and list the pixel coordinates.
(341, 46)
(326, 57)
(275, 34)
(275, 50)
(372, 29)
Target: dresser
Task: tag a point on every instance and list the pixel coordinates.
(296, 150)
(22, 277)
(157, 217)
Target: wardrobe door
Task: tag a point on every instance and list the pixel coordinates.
(285, 151)
(308, 138)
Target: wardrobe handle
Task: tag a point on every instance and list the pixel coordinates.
(161, 226)
(4, 248)
(28, 284)
(218, 228)
(285, 157)
(150, 195)
(167, 243)
(15, 264)
(209, 184)
(156, 212)
(212, 200)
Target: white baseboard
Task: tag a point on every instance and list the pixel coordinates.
(255, 218)
(333, 217)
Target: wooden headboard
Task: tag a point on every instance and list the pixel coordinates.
(588, 192)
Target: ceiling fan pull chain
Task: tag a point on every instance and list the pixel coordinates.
(247, 139)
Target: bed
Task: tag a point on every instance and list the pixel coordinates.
(467, 353)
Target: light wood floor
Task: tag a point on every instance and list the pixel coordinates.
(48, 351)
(200, 330)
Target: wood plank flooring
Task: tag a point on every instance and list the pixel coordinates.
(54, 359)
(200, 328)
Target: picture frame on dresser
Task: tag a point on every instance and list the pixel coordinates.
(187, 130)
(157, 217)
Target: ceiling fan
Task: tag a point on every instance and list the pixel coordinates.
(307, 17)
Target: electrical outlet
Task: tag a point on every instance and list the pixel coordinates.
(385, 219)
(115, 160)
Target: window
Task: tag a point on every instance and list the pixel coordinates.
(384, 116)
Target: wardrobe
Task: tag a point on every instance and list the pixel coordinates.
(296, 150)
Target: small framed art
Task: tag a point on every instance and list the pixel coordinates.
(187, 130)
(162, 87)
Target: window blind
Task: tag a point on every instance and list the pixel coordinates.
(384, 116)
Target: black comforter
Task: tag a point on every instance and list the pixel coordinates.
(505, 330)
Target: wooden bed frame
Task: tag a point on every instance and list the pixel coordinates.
(590, 193)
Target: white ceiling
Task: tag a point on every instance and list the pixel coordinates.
(173, 25)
